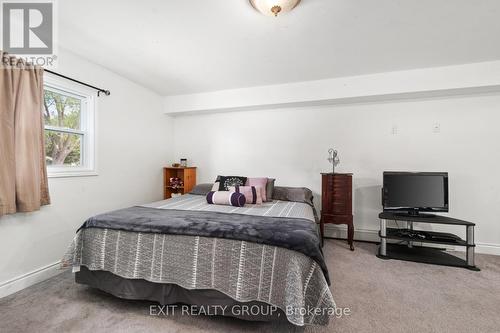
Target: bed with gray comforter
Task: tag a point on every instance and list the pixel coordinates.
(266, 254)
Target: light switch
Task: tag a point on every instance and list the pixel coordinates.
(394, 129)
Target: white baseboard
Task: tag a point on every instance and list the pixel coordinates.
(487, 248)
(24, 281)
(340, 231)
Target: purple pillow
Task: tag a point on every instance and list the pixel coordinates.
(252, 193)
(226, 198)
(260, 182)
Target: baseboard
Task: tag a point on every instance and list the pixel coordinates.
(340, 231)
(487, 248)
(26, 280)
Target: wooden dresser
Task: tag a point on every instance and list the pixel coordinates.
(188, 176)
(336, 202)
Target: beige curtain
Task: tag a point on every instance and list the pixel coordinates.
(23, 174)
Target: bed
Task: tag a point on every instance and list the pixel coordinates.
(183, 250)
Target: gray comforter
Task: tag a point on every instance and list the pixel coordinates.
(292, 233)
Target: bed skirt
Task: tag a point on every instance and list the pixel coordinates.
(207, 302)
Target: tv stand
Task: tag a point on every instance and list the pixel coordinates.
(415, 214)
(430, 255)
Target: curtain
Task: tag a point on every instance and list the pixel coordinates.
(23, 173)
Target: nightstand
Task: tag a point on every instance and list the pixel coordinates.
(188, 176)
(336, 203)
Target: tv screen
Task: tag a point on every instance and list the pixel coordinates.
(415, 191)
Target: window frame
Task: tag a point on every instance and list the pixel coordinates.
(87, 132)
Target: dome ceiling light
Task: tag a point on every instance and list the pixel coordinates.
(274, 7)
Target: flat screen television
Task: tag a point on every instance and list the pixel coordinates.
(415, 192)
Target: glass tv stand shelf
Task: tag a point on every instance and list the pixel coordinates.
(424, 254)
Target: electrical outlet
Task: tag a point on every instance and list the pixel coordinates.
(436, 128)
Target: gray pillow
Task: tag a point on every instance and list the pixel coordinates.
(270, 189)
(201, 189)
(297, 194)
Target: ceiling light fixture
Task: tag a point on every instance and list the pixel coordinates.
(274, 7)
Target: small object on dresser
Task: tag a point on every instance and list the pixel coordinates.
(176, 165)
(184, 162)
(333, 157)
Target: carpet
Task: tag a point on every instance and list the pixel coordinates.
(375, 296)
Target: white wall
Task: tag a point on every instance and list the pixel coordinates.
(291, 144)
(133, 141)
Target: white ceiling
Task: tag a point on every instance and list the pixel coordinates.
(189, 46)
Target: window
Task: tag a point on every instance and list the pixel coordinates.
(68, 114)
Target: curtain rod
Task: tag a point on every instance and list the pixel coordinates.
(99, 90)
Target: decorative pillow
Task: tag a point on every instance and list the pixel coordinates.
(226, 181)
(251, 193)
(298, 194)
(215, 186)
(260, 182)
(226, 198)
(217, 180)
(201, 189)
(270, 189)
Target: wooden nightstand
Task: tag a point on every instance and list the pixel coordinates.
(336, 203)
(188, 176)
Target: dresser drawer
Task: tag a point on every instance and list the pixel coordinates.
(338, 194)
(339, 208)
(336, 208)
(338, 182)
(341, 180)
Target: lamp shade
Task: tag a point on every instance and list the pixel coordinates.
(274, 7)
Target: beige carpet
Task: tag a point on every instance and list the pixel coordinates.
(382, 296)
